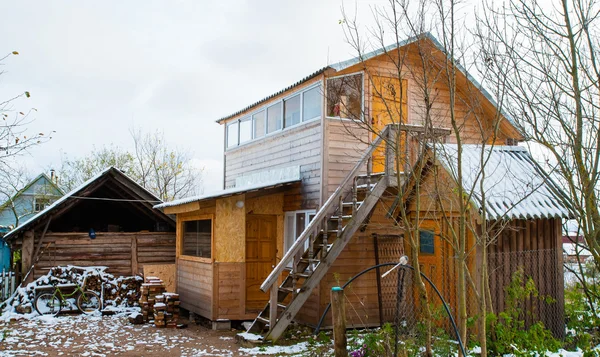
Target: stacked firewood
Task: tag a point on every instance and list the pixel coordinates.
(152, 288)
(166, 310)
(117, 291)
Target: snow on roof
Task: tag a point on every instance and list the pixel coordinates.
(73, 192)
(515, 187)
(230, 192)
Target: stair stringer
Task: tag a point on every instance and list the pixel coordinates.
(336, 249)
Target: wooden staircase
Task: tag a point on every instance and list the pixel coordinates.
(326, 236)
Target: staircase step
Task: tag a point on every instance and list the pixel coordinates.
(302, 275)
(263, 320)
(335, 218)
(349, 204)
(290, 290)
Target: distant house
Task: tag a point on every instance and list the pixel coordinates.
(31, 199)
(107, 221)
(575, 248)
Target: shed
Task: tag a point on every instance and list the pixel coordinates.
(106, 221)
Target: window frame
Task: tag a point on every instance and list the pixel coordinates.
(300, 92)
(240, 121)
(180, 229)
(292, 214)
(35, 202)
(362, 102)
(237, 123)
(433, 234)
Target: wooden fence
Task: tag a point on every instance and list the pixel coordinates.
(8, 284)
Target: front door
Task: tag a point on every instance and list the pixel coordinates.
(389, 107)
(261, 243)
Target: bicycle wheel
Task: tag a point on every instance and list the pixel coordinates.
(88, 302)
(47, 304)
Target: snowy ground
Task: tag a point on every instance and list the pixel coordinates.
(80, 335)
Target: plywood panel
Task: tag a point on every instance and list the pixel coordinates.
(166, 272)
(230, 230)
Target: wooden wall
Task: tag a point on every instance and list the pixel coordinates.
(346, 143)
(297, 146)
(195, 286)
(123, 253)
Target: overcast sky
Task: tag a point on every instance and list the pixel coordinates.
(96, 69)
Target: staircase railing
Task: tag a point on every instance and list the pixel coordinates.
(329, 208)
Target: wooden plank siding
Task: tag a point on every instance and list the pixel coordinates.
(297, 146)
(195, 286)
(346, 143)
(123, 253)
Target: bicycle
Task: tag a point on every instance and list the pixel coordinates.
(51, 303)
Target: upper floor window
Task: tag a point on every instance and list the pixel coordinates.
(311, 104)
(292, 111)
(301, 107)
(258, 121)
(345, 96)
(245, 130)
(232, 134)
(274, 118)
(40, 203)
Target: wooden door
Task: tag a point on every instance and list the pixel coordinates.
(261, 243)
(389, 106)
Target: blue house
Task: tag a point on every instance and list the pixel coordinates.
(26, 203)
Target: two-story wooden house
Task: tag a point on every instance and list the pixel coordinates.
(308, 186)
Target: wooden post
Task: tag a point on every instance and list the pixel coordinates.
(338, 312)
(27, 251)
(134, 256)
(273, 305)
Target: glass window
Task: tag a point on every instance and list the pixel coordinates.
(232, 134)
(426, 242)
(295, 224)
(245, 130)
(292, 111)
(274, 118)
(197, 238)
(344, 97)
(259, 124)
(311, 104)
(40, 204)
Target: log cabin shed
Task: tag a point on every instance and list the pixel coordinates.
(107, 221)
(270, 246)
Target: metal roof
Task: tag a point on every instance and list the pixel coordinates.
(356, 60)
(231, 192)
(515, 186)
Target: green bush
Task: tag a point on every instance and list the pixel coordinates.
(507, 332)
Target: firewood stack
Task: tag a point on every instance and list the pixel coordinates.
(93, 282)
(166, 310)
(149, 291)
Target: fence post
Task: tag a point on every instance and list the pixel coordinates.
(338, 312)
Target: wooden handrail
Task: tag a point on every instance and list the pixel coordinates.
(323, 213)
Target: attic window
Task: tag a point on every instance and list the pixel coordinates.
(232, 134)
(344, 96)
(39, 204)
(274, 118)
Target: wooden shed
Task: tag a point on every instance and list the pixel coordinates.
(107, 221)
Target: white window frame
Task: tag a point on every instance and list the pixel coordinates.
(292, 214)
(236, 122)
(281, 101)
(35, 198)
(244, 119)
(362, 89)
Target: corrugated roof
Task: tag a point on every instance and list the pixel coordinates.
(74, 192)
(229, 192)
(515, 187)
(356, 60)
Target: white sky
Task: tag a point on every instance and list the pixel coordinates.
(96, 69)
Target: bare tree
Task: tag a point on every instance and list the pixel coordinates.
(549, 59)
(164, 171)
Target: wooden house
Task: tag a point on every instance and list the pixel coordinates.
(107, 221)
(308, 190)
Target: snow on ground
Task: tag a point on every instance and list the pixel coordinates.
(96, 335)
